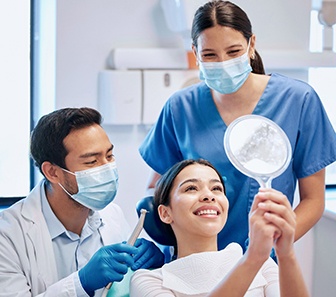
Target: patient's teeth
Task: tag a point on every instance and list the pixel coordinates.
(207, 211)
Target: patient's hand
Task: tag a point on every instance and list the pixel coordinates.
(262, 232)
(278, 212)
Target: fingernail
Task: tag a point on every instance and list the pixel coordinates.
(261, 204)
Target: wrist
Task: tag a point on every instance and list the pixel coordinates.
(253, 261)
(82, 280)
(286, 257)
(256, 255)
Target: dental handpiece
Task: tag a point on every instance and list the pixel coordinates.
(138, 228)
(131, 240)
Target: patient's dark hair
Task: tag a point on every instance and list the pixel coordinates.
(165, 183)
(46, 142)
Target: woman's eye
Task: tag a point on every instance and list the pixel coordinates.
(233, 52)
(218, 188)
(209, 56)
(191, 188)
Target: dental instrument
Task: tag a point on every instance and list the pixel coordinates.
(131, 240)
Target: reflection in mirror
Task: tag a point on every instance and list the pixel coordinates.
(258, 148)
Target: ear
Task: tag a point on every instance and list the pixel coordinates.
(51, 172)
(164, 214)
(252, 45)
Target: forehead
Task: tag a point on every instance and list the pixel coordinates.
(92, 138)
(196, 171)
(220, 35)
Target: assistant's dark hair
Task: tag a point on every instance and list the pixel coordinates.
(164, 185)
(46, 141)
(227, 14)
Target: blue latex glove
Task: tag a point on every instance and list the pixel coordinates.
(148, 255)
(109, 264)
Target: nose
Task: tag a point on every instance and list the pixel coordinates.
(222, 58)
(104, 162)
(207, 198)
(206, 195)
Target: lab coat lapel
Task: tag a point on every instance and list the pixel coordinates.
(115, 228)
(40, 247)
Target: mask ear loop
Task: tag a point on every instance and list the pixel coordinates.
(62, 186)
(197, 59)
(248, 46)
(66, 191)
(248, 49)
(68, 171)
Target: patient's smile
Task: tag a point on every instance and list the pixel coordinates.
(207, 211)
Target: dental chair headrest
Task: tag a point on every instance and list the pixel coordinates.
(155, 228)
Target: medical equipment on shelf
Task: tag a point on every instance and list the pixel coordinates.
(137, 230)
(258, 148)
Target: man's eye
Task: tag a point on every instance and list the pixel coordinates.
(110, 157)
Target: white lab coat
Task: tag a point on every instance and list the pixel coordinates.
(27, 260)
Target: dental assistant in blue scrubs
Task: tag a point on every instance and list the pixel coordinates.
(193, 121)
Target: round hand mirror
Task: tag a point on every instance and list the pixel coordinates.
(258, 148)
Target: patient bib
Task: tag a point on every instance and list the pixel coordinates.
(200, 273)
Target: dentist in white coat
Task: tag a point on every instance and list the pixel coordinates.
(66, 238)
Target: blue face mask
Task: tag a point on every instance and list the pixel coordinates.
(97, 186)
(228, 76)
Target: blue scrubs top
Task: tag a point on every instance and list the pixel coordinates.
(190, 126)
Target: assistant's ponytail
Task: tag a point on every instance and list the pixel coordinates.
(257, 64)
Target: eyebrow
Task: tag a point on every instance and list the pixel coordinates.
(228, 48)
(235, 45)
(195, 180)
(93, 154)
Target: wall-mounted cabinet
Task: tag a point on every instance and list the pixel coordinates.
(127, 97)
(159, 85)
(120, 96)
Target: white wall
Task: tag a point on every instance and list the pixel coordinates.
(14, 94)
(324, 257)
(279, 25)
(86, 33)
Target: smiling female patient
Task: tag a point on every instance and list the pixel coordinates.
(190, 199)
